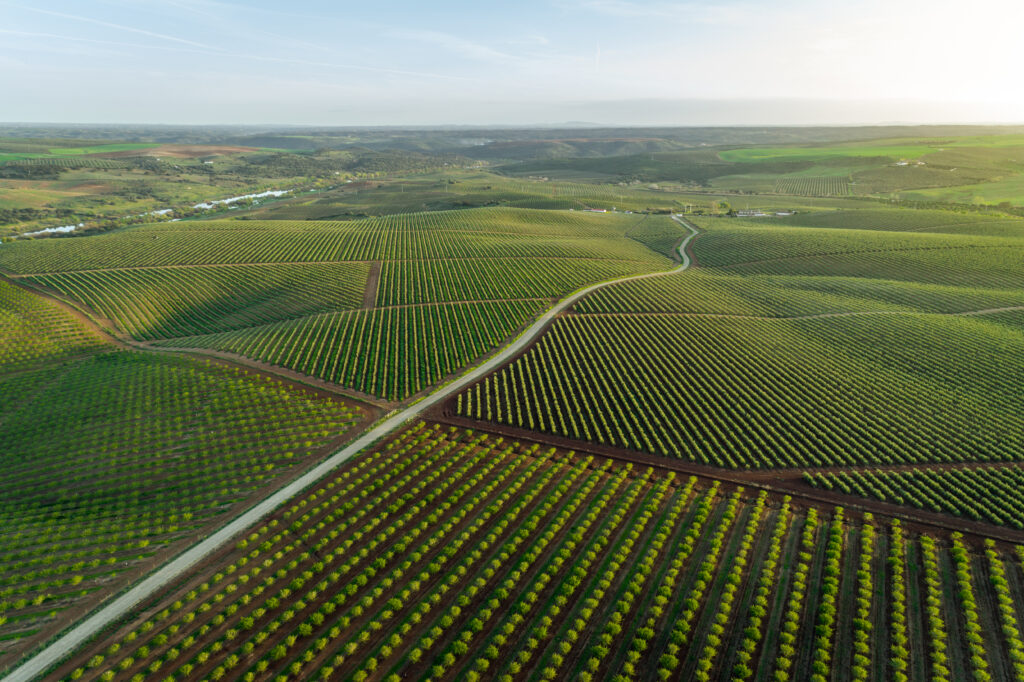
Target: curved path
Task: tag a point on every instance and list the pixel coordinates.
(815, 316)
(71, 639)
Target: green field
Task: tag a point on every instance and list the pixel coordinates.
(151, 303)
(756, 155)
(705, 365)
(568, 567)
(35, 331)
(799, 457)
(280, 292)
(102, 148)
(743, 393)
(390, 353)
(983, 493)
(113, 459)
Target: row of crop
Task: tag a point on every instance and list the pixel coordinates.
(898, 219)
(481, 233)
(322, 616)
(110, 459)
(448, 555)
(713, 641)
(793, 615)
(532, 590)
(72, 162)
(613, 591)
(752, 393)
(716, 292)
(319, 524)
(437, 280)
(152, 303)
(35, 331)
(514, 624)
(823, 186)
(664, 601)
(754, 632)
(616, 568)
(972, 266)
(433, 631)
(741, 244)
(390, 352)
(985, 493)
(343, 594)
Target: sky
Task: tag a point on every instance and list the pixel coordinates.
(615, 62)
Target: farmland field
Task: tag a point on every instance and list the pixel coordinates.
(181, 301)
(827, 186)
(390, 353)
(113, 459)
(285, 292)
(710, 404)
(735, 392)
(447, 554)
(36, 331)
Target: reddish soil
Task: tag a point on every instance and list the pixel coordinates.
(690, 252)
(372, 283)
(177, 151)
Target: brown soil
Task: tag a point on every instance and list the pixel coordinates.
(816, 316)
(177, 151)
(690, 252)
(372, 283)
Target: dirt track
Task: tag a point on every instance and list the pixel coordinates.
(779, 481)
(172, 571)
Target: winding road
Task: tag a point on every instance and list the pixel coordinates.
(71, 639)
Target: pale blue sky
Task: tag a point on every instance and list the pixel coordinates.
(532, 61)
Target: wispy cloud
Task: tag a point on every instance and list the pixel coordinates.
(120, 27)
(682, 12)
(199, 48)
(454, 44)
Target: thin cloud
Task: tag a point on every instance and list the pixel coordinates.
(120, 27)
(240, 55)
(690, 12)
(466, 48)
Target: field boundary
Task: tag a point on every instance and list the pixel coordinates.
(70, 639)
(815, 316)
(776, 481)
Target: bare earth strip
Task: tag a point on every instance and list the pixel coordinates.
(816, 316)
(66, 643)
